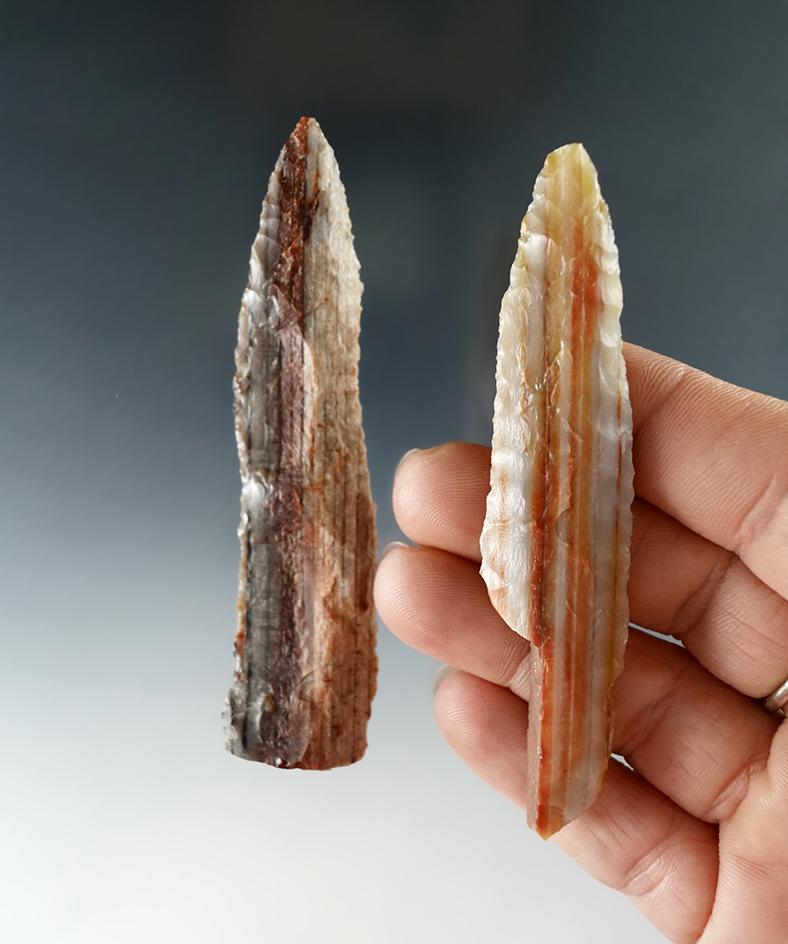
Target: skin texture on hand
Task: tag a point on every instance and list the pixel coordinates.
(696, 833)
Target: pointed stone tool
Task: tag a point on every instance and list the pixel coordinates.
(555, 542)
(305, 664)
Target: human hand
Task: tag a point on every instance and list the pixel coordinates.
(697, 832)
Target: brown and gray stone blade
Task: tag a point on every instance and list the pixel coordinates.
(305, 645)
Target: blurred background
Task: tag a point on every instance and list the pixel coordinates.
(137, 142)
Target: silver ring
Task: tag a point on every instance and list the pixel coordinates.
(777, 701)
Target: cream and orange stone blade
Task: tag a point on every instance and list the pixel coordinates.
(555, 542)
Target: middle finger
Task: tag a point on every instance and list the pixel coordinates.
(680, 584)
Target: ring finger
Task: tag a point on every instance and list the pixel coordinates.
(633, 838)
(691, 736)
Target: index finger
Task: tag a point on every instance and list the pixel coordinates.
(711, 455)
(715, 457)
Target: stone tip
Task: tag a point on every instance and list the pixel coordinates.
(572, 162)
(567, 153)
(306, 137)
(307, 125)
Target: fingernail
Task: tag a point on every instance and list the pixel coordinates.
(403, 460)
(443, 673)
(390, 547)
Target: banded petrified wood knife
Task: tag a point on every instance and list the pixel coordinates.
(555, 543)
(305, 645)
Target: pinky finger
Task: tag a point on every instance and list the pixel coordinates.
(633, 839)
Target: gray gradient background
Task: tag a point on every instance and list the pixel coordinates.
(135, 149)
